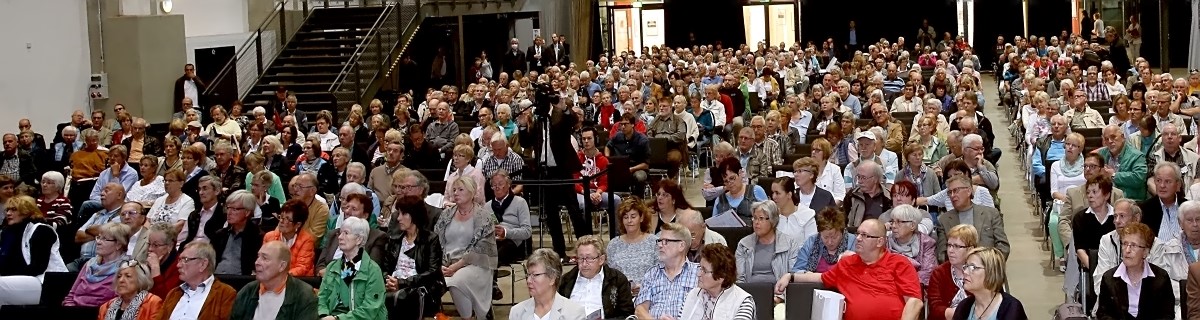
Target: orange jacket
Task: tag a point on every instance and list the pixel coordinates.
(217, 306)
(150, 309)
(303, 252)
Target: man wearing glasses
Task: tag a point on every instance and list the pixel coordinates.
(1159, 103)
(868, 199)
(133, 215)
(1126, 166)
(111, 199)
(632, 144)
(201, 296)
(304, 188)
(595, 286)
(237, 244)
(665, 285)
(1080, 115)
(987, 220)
(860, 277)
(141, 145)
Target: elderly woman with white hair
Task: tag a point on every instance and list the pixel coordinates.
(545, 272)
(766, 255)
(94, 285)
(54, 203)
(468, 235)
(906, 240)
(354, 205)
(133, 300)
(352, 286)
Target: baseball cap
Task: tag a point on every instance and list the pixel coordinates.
(865, 134)
(195, 124)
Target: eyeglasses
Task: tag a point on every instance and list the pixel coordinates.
(1125, 244)
(664, 241)
(131, 212)
(587, 259)
(971, 268)
(105, 239)
(704, 271)
(862, 235)
(235, 208)
(188, 259)
(158, 244)
(900, 221)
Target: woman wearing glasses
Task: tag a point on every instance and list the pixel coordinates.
(161, 258)
(820, 252)
(715, 283)
(53, 203)
(292, 232)
(94, 285)
(765, 256)
(919, 248)
(468, 237)
(635, 250)
(983, 279)
(1151, 283)
(24, 230)
(134, 300)
(945, 290)
(807, 192)
(176, 206)
(545, 271)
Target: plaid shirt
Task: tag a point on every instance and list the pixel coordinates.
(764, 155)
(511, 163)
(1097, 92)
(666, 295)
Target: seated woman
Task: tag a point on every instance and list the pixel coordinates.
(161, 258)
(811, 196)
(904, 192)
(175, 206)
(669, 201)
(417, 269)
(468, 236)
(352, 286)
(1095, 221)
(983, 279)
(460, 166)
(291, 231)
(314, 163)
(715, 283)
(194, 160)
(738, 196)
(1134, 273)
(829, 178)
(765, 255)
(636, 250)
(614, 300)
(133, 294)
(798, 221)
(94, 286)
(545, 273)
(713, 184)
(820, 252)
(357, 205)
(919, 248)
(150, 187)
(514, 226)
(945, 290)
(24, 229)
(918, 172)
(266, 213)
(54, 205)
(256, 163)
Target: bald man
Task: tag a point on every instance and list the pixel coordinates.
(858, 275)
(274, 294)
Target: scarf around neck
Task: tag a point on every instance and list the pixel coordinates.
(131, 313)
(823, 252)
(97, 272)
(1071, 170)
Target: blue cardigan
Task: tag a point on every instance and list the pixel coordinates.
(811, 244)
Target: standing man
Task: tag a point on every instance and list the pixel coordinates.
(514, 58)
(550, 139)
(274, 294)
(534, 55)
(188, 86)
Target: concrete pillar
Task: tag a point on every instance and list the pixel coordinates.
(144, 57)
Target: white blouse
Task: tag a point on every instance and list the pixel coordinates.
(1060, 182)
(832, 180)
(149, 192)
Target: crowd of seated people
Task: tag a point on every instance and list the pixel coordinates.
(892, 175)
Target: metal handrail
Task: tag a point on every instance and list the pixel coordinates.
(256, 38)
(375, 27)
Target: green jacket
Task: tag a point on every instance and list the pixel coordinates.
(299, 302)
(1131, 171)
(363, 297)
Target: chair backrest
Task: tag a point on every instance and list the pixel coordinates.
(1089, 132)
(705, 212)
(764, 297)
(733, 234)
(619, 178)
(800, 299)
(658, 151)
(765, 183)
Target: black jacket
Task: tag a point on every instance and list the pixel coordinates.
(514, 60)
(1152, 211)
(191, 187)
(232, 179)
(1156, 298)
(427, 253)
(535, 64)
(26, 168)
(215, 223)
(150, 146)
(1010, 308)
(821, 199)
(269, 219)
(251, 242)
(616, 295)
(562, 124)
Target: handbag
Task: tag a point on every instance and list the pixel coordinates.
(828, 305)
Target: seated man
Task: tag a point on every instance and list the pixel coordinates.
(632, 144)
(1126, 166)
(987, 220)
(755, 161)
(877, 283)
(111, 200)
(274, 294)
(593, 163)
(868, 199)
(668, 126)
(701, 234)
(665, 286)
(513, 228)
(201, 296)
(1173, 151)
(593, 285)
(1079, 115)
(237, 243)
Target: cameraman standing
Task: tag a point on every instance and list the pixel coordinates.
(549, 136)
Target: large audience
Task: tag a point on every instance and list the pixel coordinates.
(875, 177)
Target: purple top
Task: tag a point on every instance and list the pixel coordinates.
(87, 294)
(823, 266)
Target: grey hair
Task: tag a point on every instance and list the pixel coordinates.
(906, 212)
(1190, 207)
(226, 147)
(119, 232)
(70, 129)
(274, 142)
(56, 178)
(204, 250)
(873, 166)
(258, 111)
(679, 231)
(1134, 209)
(141, 274)
(879, 133)
(357, 226)
(246, 198)
(357, 166)
(770, 209)
(1174, 170)
(971, 139)
(166, 229)
(689, 217)
(90, 133)
(352, 188)
(550, 262)
(211, 181)
(404, 174)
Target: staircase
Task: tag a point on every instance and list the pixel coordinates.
(312, 61)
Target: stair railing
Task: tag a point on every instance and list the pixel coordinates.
(377, 53)
(261, 48)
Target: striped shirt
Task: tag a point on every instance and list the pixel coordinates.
(666, 295)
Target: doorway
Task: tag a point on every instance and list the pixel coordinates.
(209, 62)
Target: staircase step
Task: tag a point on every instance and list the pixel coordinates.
(339, 34)
(299, 77)
(302, 68)
(301, 96)
(294, 86)
(325, 42)
(347, 11)
(312, 59)
(362, 22)
(317, 51)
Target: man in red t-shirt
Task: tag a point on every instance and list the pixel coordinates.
(593, 162)
(878, 284)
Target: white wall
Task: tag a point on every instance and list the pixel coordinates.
(49, 79)
(212, 17)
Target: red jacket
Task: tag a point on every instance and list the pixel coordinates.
(940, 292)
(728, 102)
(167, 279)
(591, 168)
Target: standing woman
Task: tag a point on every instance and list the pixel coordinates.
(172, 148)
(55, 206)
(468, 235)
(983, 279)
(1133, 38)
(794, 219)
(715, 296)
(28, 249)
(134, 300)
(945, 290)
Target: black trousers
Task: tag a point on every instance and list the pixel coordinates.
(80, 191)
(554, 197)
